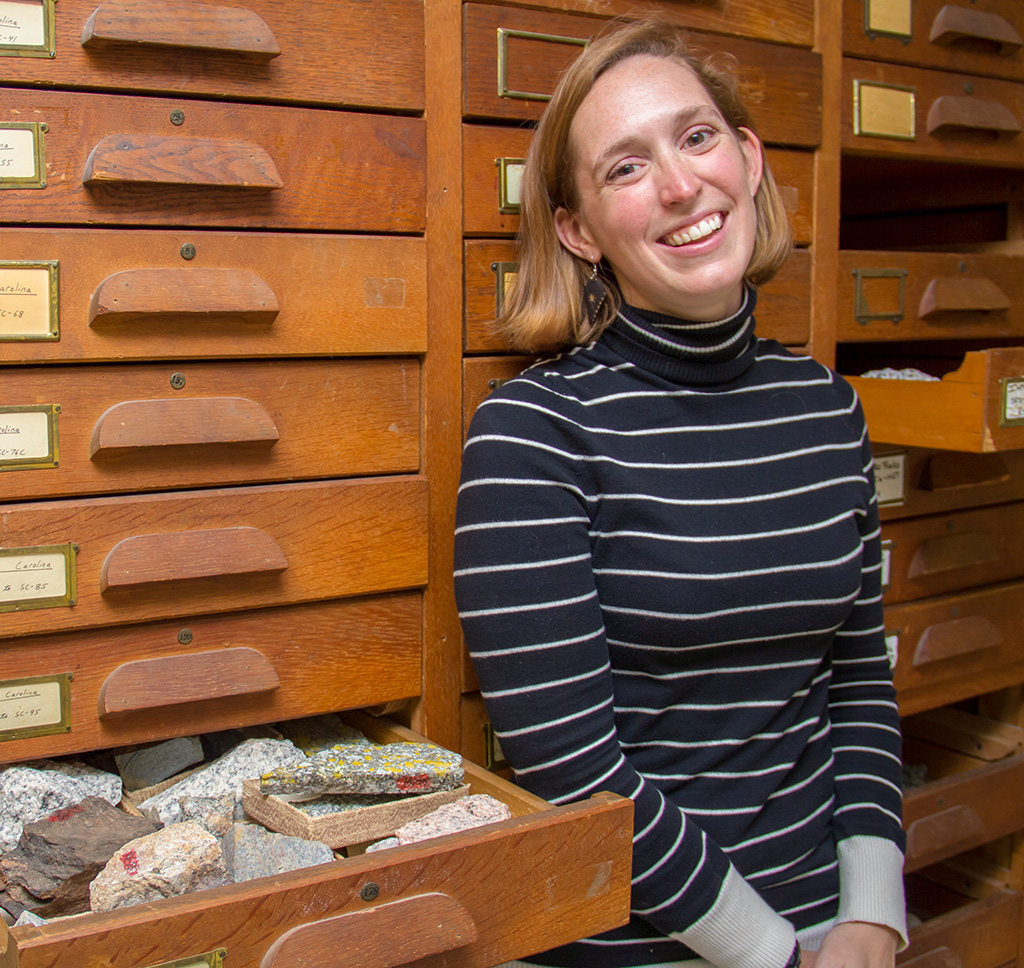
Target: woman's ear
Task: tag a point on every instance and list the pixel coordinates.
(750, 145)
(574, 236)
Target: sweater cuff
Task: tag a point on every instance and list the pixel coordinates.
(871, 883)
(740, 930)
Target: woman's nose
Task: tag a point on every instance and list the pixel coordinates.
(678, 182)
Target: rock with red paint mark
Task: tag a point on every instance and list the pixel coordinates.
(396, 768)
(32, 791)
(180, 859)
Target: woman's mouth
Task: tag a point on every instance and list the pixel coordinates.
(696, 232)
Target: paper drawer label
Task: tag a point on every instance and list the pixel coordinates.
(884, 110)
(888, 17)
(29, 301)
(23, 25)
(39, 706)
(890, 478)
(510, 177)
(41, 577)
(22, 154)
(28, 437)
(1013, 402)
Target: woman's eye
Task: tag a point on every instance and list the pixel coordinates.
(696, 138)
(622, 171)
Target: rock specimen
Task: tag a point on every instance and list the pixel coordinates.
(396, 768)
(316, 733)
(149, 765)
(71, 841)
(471, 811)
(252, 851)
(32, 791)
(180, 859)
(224, 777)
(215, 814)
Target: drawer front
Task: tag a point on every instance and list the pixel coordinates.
(334, 52)
(914, 481)
(973, 36)
(426, 899)
(145, 295)
(142, 428)
(789, 23)
(528, 49)
(978, 406)
(143, 557)
(482, 375)
(154, 161)
(891, 110)
(938, 554)
(783, 310)
(956, 646)
(145, 683)
(961, 812)
(929, 295)
(493, 156)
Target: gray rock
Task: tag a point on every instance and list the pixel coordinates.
(180, 859)
(316, 733)
(253, 851)
(215, 814)
(27, 917)
(32, 791)
(471, 811)
(395, 768)
(223, 777)
(149, 765)
(383, 844)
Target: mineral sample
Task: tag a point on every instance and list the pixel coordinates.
(223, 777)
(215, 814)
(149, 765)
(471, 811)
(180, 859)
(253, 851)
(396, 768)
(316, 733)
(32, 791)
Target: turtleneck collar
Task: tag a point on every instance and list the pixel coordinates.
(694, 353)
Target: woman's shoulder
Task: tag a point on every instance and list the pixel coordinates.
(778, 362)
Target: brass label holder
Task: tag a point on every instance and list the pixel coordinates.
(36, 706)
(36, 37)
(505, 277)
(28, 437)
(21, 142)
(889, 18)
(29, 300)
(504, 34)
(510, 172)
(210, 959)
(42, 577)
(1011, 410)
(884, 110)
(891, 478)
(862, 312)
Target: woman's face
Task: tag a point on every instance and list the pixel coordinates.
(665, 190)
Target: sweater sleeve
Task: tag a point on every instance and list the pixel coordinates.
(533, 624)
(866, 743)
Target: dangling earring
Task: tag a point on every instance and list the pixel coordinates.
(594, 295)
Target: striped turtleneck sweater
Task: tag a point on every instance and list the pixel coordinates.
(668, 575)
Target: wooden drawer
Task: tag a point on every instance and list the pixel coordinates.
(956, 646)
(973, 36)
(155, 556)
(491, 203)
(528, 49)
(960, 930)
(944, 553)
(151, 427)
(337, 52)
(907, 112)
(384, 908)
(783, 309)
(929, 295)
(138, 295)
(914, 481)
(158, 161)
(143, 683)
(478, 740)
(967, 804)
(482, 375)
(789, 23)
(977, 406)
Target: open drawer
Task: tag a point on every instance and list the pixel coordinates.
(466, 898)
(978, 406)
(971, 764)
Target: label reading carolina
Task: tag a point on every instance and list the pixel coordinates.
(32, 704)
(28, 300)
(18, 153)
(27, 437)
(22, 23)
(36, 577)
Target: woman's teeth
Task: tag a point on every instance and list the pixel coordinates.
(694, 232)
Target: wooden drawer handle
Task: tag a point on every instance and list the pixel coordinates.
(950, 471)
(196, 293)
(941, 957)
(971, 114)
(951, 552)
(149, 559)
(172, 679)
(959, 636)
(185, 24)
(132, 159)
(961, 294)
(944, 832)
(136, 424)
(378, 937)
(953, 23)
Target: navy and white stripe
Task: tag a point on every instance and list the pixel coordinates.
(668, 576)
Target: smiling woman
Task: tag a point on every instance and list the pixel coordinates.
(667, 545)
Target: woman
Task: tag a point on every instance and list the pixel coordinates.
(667, 548)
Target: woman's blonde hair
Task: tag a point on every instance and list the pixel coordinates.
(544, 308)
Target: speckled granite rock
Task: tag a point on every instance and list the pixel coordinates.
(395, 768)
(224, 777)
(149, 765)
(316, 733)
(32, 791)
(253, 851)
(383, 844)
(180, 859)
(470, 811)
(215, 814)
